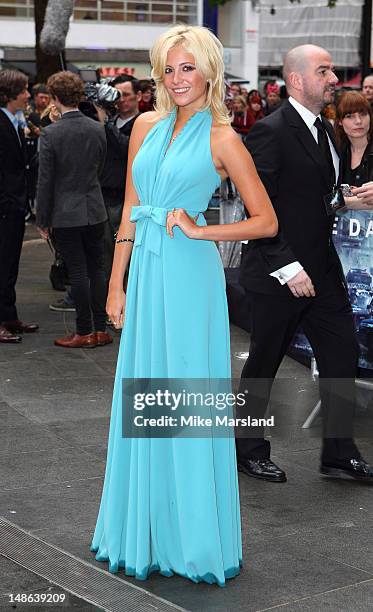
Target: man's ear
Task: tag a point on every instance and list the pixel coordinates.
(296, 81)
(139, 96)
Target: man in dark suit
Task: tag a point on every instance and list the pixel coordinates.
(69, 200)
(296, 278)
(13, 200)
(113, 178)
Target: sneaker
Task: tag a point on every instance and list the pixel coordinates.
(62, 306)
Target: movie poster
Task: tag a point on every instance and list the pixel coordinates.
(353, 239)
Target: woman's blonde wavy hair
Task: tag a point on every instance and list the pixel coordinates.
(208, 54)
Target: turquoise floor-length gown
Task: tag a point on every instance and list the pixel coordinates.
(171, 504)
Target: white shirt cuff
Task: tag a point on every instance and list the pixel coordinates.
(288, 272)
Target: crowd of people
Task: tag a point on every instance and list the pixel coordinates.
(249, 106)
(37, 172)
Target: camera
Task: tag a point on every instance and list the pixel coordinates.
(98, 93)
(103, 95)
(346, 190)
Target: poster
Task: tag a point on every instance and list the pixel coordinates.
(353, 239)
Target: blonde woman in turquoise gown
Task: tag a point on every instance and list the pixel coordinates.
(172, 504)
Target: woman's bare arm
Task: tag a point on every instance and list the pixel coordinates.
(116, 296)
(232, 159)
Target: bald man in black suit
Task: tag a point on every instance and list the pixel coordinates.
(297, 278)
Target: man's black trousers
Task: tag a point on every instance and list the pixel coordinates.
(12, 229)
(328, 324)
(82, 249)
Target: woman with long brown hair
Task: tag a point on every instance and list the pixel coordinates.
(354, 129)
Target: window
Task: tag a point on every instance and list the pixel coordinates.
(86, 10)
(16, 8)
(115, 11)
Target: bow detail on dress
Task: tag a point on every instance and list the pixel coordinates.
(149, 219)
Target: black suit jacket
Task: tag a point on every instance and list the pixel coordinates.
(296, 177)
(72, 156)
(13, 180)
(113, 179)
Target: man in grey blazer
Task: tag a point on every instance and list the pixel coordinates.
(69, 200)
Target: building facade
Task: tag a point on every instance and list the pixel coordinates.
(258, 33)
(110, 34)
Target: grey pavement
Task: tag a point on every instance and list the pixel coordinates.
(308, 543)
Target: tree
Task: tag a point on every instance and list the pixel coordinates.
(45, 64)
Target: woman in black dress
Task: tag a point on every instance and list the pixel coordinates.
(354, 130)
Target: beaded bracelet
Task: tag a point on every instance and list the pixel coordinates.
(124, 240)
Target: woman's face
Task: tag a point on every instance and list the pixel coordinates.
(147, 95)
(184, 83)
(236, 90)
(238, 107)
(256, 106)
(356, 125)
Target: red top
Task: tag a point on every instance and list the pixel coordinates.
(243, 121)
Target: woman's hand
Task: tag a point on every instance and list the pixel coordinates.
(115, 306)
(364, 193)
(178, 217)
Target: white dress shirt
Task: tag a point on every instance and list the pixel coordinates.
(119, 122)
(285, 274)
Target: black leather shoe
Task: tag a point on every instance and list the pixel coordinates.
(18, 327)
(264, 469)
(357, 469)
(7, 337)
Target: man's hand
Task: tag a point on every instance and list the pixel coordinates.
(364, 193)
(301, 285)
(101, 113)
(44, 232)
(54, 113)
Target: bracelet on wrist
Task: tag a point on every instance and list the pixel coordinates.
(121, 240)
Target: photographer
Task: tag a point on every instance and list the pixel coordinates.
(113, 179)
